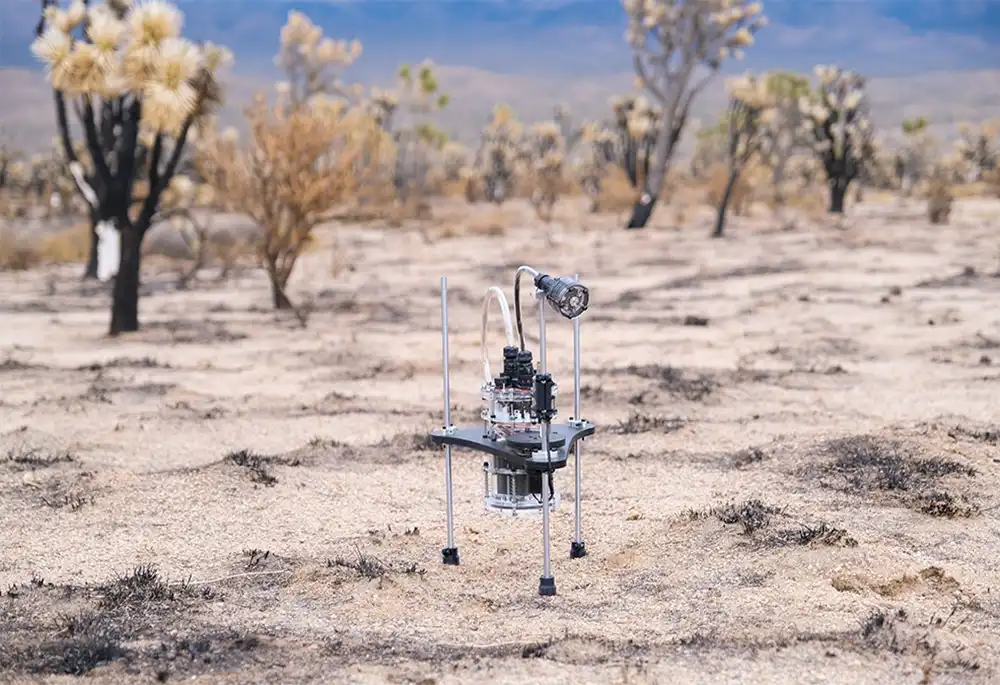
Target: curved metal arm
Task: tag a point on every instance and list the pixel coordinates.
(495, 293)
(517, 299)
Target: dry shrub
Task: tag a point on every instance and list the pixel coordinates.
(992, 182)
(16, 253)
(617, 194)
(939, 200)
(416, 208)
(492, 222)
(371, 202)
(301, 163)
(453, 188)
(69, 246)
(974, 189)
(810, 202)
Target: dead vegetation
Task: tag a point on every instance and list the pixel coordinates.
(258, 466)
(72, 630)
(754, 519)
(642, 423)
(894, 473)
(371, 567)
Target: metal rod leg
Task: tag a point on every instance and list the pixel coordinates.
(577, 548)
(547, 584)
(449, 555)
(543, 366)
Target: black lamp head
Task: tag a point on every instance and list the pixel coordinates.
(567, 295)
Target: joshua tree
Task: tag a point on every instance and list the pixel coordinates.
(783, 134)
(302, 159)
(636, 125)
(709, 148)
(454, 159)
(670, 40)
(749, 109)
(404, 116)
(980, 149)
(940, 194)
(544, 153)
(837, 118)
(596, 154)
(497, 154)
(9, 155)
(913, 159)
(128, 71)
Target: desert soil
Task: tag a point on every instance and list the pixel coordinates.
(794, 478)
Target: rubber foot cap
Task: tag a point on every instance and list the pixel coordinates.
(577, 550)
(547, 587)
(449, 556)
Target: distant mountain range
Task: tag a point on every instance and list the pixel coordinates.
(936, 58)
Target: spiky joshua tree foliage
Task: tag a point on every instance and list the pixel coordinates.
(838, 120)
(127, 71)
(404, 115)
(495, 160)
(749, 109)
(302, 158)
(783, 136)
(979, 148)
(671, 41)
(544, 151)
(914, 157)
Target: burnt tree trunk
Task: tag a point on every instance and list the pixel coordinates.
(90, 270)
(642, 211)
(278, 296)
(720, 219)
(838, 192)
(125, 295)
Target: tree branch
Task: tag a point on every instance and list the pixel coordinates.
(94, 143)
(162, 179)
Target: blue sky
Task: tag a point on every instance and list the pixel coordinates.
(577, 37)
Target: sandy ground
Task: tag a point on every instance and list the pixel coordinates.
(794, 478)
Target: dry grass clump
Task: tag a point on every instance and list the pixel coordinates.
(617, 194)
(69, 246)
(20, 253)
(17, 254)
(991, 181)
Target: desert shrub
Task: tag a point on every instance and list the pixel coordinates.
(992, 179)
(69, 246)
(939, 199)
(16, 253)
(306, 153)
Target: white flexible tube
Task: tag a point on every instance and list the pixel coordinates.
(495, 292)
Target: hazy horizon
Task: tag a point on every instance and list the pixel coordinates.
(534, 55)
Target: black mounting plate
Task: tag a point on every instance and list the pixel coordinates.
(562, 438)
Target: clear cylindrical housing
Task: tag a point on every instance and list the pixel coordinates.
(514, 491)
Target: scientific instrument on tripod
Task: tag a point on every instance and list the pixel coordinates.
(524, 447)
